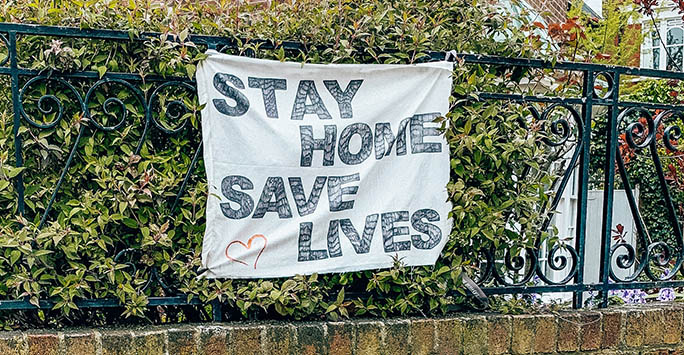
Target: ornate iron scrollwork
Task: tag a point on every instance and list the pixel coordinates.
(642, 134)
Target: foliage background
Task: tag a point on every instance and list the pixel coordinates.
(113, 199)
(615, 39)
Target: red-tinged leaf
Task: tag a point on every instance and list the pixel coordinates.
(539, 25)
(672, 172)
(602, 56)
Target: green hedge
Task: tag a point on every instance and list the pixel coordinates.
(112, 199)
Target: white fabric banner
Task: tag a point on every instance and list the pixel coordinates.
(317, 168)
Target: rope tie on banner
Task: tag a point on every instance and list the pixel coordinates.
(451, 56)
(476, 292)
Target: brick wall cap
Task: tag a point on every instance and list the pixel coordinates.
(560, 331)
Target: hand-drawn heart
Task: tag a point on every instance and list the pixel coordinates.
(247, 246)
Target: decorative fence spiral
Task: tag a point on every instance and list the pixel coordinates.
(639, 137)
(112, 108)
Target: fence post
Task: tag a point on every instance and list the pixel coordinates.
(608, 186)
(583, 186)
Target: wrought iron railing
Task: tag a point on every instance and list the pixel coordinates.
(573, 130)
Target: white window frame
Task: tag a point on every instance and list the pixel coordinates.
(666, 21)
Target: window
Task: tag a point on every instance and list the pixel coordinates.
(668, 56)
(650, 53)
(656, 50)
(675, 41)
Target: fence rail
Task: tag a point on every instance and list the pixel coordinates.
(574, 130)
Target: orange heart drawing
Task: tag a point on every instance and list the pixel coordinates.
(247, 246)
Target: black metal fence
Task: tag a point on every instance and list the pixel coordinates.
(593, 104)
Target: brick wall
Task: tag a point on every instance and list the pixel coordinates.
(638, 330)
(555, 11)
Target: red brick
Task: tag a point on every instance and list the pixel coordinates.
(673, 317)
(611, 329)
(149, 343)
(117, 342)
(546, 329)
(499, 337)
(591, 337)
(79, 343)
(523, 329)
(43, 344)
(422, 336)
(340, 336)
(449, 336)
(634, 328)
(182, 341)
(568, 332)
(311, 339)
(475, 337)
(244, 340)
(213, 340)
(12, 343)
(654, 326)
(397, 333)
(369, 338)
(281, 339)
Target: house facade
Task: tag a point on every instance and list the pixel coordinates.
(670, 28)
